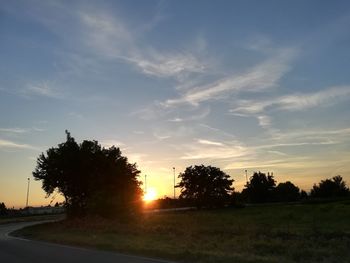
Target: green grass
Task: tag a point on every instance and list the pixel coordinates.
(275, 233)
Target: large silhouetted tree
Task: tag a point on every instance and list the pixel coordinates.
(206, 186)
(3, 209)
(287, 192)
(260, 188)
(92, 179)
(334, 187)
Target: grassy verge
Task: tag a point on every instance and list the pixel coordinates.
(283, 233)
(17, 219)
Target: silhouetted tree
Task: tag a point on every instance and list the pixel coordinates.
(3, 209)
(287, 192)
(260, 188)
(334, 187)
(92, 179)
(303, 195)
(206, 186)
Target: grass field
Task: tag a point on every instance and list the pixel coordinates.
(29, 218)
(273, 233)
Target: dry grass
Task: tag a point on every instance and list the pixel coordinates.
(279, 233)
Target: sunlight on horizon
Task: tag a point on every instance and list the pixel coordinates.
(150, 195)
(160, 82)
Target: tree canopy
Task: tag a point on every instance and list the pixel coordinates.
(260, 188)
(205, 185)
(287, 192)
(92, 179)
(334, 187)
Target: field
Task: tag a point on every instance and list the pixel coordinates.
(269, 233)
(29, 218)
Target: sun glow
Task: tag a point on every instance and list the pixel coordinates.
(150, 195)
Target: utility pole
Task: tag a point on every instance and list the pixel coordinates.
(28, 192)
(174, 183)
(145, 183)
(246, 177)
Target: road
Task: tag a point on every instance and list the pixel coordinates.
(16, 250)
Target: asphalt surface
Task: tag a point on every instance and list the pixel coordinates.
(16, 250)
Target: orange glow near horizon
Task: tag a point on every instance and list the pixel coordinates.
(150, 195)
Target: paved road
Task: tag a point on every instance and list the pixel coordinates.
(15, 250)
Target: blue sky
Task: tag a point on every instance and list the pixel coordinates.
(256, 85)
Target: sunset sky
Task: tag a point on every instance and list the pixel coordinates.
(256, 85)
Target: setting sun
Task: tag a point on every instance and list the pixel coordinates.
(150, 195)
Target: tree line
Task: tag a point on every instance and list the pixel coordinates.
(207, 186)
(100, 181)
(262, 188)
(3, 209)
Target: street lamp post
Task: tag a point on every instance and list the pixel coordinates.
(145, 183)
(28, 192)
(174, 183)
(246, 177)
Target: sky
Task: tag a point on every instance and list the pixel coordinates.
(241, 85)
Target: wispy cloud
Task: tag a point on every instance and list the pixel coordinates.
(41, 89)
(278, 153)
(149, 113)
(180, 131)
(214, 150)
(176, 120)
(168, 65)
(161, 137)
(287, 164)
(217, 131)
(207, 142)
(21, 130)
(276, 163)
(294, 102)
(312, 135)
(111, 38)
(13, 130)
(98, 34)
(264, 121)
(76, 115)
(198, 153)
(305, 143)
(137, 157)
(14, 145)
(112, 142)
(139, 132)
(107, 36)
(193, 117)
(206, 149)
(259, 78)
